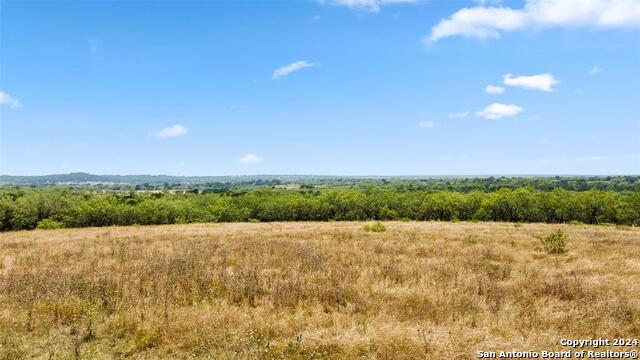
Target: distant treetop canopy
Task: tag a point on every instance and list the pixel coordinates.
(224, 183)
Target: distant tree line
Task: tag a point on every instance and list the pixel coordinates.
(221, 184)
(28, 208)
(488, 184)
(485, 184)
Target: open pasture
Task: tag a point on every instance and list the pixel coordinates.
(313, 290)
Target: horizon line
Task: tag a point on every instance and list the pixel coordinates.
(335, 175)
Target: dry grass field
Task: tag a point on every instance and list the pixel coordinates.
(313, 290)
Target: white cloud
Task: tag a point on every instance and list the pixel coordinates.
(595, 70)
(293, 67)
(366, 5)
(250, 159)
(171, 131)
(543, 82)
(6, 99)
(478, 22)
(492, 89)
(427, 124)
(489, 22)
(458, 115)
(498, 111)
(592, 158)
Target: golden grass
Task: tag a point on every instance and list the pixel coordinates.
(313, 290)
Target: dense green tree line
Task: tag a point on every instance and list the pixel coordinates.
(226, 183)
(26, 208)
(488, 184)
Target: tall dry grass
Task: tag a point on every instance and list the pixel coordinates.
(313, 290)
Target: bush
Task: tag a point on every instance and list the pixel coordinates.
(48, 224)
(375, 227)
(554, 242)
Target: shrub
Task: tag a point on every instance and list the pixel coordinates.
(388, 214)
(375, 227)
(554, 242)
(48, 224)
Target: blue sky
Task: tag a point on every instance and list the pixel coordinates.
(343, 87)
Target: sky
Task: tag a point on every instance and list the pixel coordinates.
(333, 87)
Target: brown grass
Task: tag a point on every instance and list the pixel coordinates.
(313, 290)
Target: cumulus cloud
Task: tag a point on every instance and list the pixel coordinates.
(293, 67)
(427, 124)
(489, 22)
(171, 131)
(10, 101)
(498, 111)
(543, 82)
(493, 89)
(366, 5)
(594, 70)
(250, 159)
(458, 115)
